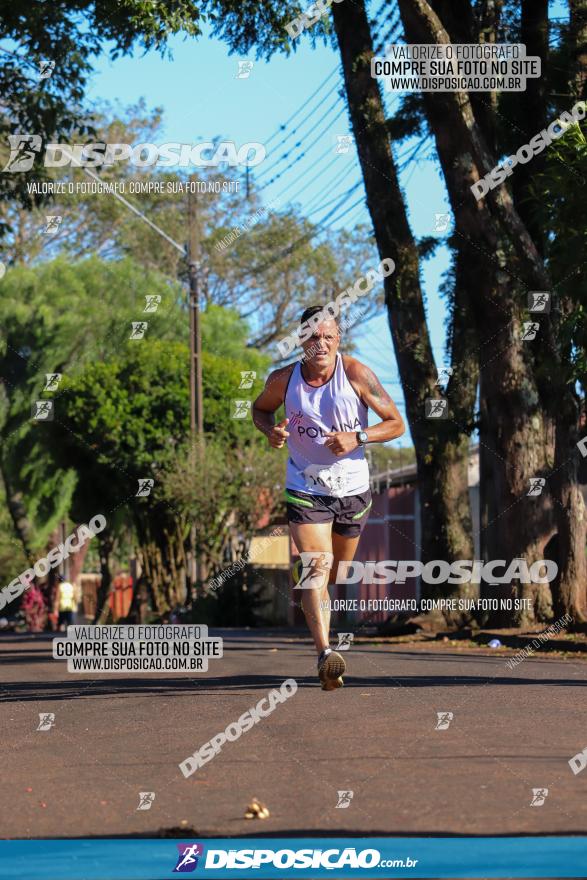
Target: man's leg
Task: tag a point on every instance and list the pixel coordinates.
(315, 538)
(344, 550)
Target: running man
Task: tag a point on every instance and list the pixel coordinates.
(326, 397)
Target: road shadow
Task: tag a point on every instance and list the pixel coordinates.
(84, 688)
(188, 832)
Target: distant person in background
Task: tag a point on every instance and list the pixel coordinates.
(67, 603)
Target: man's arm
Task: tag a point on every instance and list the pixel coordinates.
(374, 396)
(268, 402)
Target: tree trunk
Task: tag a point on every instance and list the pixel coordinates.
(161, 547)
(106, 544)
(570, 586)
(421, 24)
(511, 429)
(49, 584)
(18, 514)
(76, 562)
(531, 114)
(515, 450)
(446, 532)
(464, 26)
(578, 31)
(446, 469)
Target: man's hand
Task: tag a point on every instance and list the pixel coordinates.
(341, 442)
(278, 435)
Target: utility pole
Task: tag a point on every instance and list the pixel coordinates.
(196, 396)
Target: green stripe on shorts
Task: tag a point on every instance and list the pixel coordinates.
(301, 501)
(363, 512)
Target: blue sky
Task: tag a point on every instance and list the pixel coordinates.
(202, 97)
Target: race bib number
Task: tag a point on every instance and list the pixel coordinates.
(331, 480)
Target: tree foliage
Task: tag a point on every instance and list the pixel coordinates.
(70, 36)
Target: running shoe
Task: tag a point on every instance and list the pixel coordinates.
(331, 668)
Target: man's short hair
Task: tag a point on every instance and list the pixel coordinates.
(313, 310)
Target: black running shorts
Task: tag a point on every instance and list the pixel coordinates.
(347, 515)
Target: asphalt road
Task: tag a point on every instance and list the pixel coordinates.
(115, 736)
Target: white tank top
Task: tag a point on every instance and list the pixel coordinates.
(312, 412)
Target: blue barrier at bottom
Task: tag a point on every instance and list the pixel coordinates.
(366, 857)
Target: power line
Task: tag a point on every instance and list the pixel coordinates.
(298, 192)
(327, 188)
(350, 208)
(400, 167)
(304, 120)
(353, 220)
(333, 199)
(318, 174)
(303, 239)
(310, 168)
(299, 110)
(322, 224)
(299, 143)
(310, 113)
